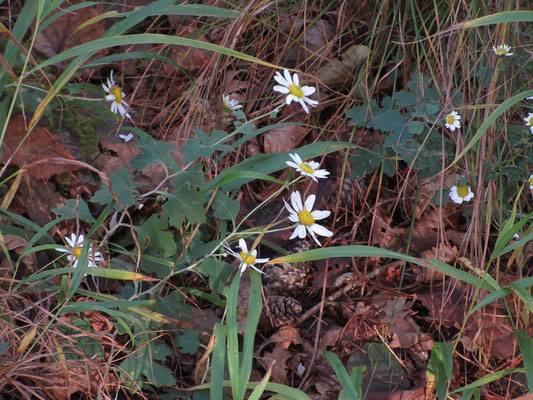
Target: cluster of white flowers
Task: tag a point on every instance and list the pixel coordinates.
(74, 248)
(300, 212)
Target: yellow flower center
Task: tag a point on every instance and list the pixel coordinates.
(306, 168)
(77, 251)
(247, 258)
(531, 181)
(462, 191)
(530, 121)
(501, 51)
(306, 218)
(115, 91)
(450, 119)
(296, 90)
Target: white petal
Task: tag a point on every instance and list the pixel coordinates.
(281, 89)
(110, 97)
(289, 208)
(279, 78)
(61, 250)
(320, 214)
(309, 202)
(296, 158)
(257, 269)
(254, 253)
(312, 234)
(291, 164)
(242, 245)
(320, 230)
(105, 87)
(296, 201)
(308, 90)
(303, 106)
(300, 231)
(296, 79)
(290, 98)
(262, 260)
(312, 103)
(294, 218)
(287, 76)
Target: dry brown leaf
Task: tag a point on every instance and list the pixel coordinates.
(18, 244)
(62, 34)
(280, 355)
(40, 145)
(282, 139)
(37, 198)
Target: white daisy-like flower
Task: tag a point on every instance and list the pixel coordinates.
(453, 121)
(229, 105)
(307, 168)
(116, 95)
(530, 180)
(247, 259)
(502, 50)
(74, 249)
(291, 87)
(303, 215)
(529, 121)
(458, 194)
(127, 137)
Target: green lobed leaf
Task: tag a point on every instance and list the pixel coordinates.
(183, 203)
(225, 208)
(75, 209)
(188, 342)
(154, 152)
(122, 185)
(204, 144)
(153, 234)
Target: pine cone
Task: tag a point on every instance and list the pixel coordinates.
(285, 278)
(281, 310)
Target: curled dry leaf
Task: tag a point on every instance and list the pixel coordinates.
(284, 138)
(64, 32)
(39, 145)
(345, 69)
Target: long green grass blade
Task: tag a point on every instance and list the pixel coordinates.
(343, 375)
(488, 379)
(217, 364)
(526, 348)
(147, 38)
(502, 108)
(255, 305)
(233, 338)
(369, 251)
(500, 18)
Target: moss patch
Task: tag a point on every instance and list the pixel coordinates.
(82, 126)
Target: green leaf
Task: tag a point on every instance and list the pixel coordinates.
(225, 208)
(140, 363)
(75, 208)
(440, 368)
(122, 185)
(218, 272)
(154, 152)
(347, 384)
(183, 203)
(526, 348)
(153, 233)
(204, 145)
(363, 161)
(188, 342)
